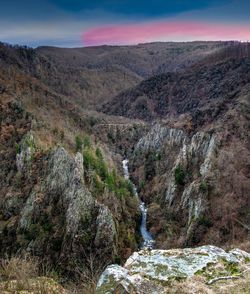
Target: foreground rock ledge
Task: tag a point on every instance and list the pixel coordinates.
(172, 271)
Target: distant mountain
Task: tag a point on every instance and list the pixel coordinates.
(90, 76)
(205, 87)
(143, 60)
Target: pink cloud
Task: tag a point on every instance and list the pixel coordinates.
(164, 31)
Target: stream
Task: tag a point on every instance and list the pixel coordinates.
(148, 241)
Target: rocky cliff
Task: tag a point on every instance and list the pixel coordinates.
(49, 207)
(181, 175)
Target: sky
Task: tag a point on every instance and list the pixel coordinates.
(77, 23)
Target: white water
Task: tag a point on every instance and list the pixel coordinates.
(148, 241)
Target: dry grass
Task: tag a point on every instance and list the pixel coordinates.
(245, 246)
(88, 276)
(39, 285)
(196, 285)
(21, 274)
(240, 286)
(21, 269)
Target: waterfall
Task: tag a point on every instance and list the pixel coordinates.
(125, 169)
(148, 241)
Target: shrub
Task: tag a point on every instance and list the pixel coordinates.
(20, 274)
(18, 148)
(110, 182)
(130, 187)
(179, 176)
(47, 226)
(98, 153)
(117, 259)
(98, 184)
(20, 269)
(102, 177)
(94, 160)
(78, 143)
(127, 185)
(89, 159)
(86, 141)
(205, 221)
(92, 121)
(141, 185)
(29, 142)
(55, 131)
(121, 193)
(33, 232)
(149, 167)
(158, 156)
(62, 135)
(102, 169)
(18, 180)
(203, 187)
(111, 137)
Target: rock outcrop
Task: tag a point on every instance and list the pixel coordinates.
(63, 187)
(106, 230)
(64, 177)
(183, 165)
(50, 208)
(25, 151)
(184, 176)
(159, 271)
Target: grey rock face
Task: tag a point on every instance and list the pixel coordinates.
(201, 152)
(195, 155)
(106, 231)
(158, 136)
(63, 186)
(27, 211)
(64, 177)
(25, 152)
(157, 267)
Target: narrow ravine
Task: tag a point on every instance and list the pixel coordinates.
(148, 241)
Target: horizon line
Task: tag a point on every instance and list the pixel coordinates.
(123, 45)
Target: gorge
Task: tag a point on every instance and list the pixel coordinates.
(125, 169)
(148, 241)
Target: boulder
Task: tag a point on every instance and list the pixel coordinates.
(154, 271)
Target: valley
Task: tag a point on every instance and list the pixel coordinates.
(115, 158)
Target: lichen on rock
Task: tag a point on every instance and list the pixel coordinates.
(106, 231)
(25, 152)
(158, 268)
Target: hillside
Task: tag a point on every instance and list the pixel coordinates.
(90, 76)
(202, 90)
(186, 166)
(143, 60)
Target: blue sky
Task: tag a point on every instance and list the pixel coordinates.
(63, 22)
